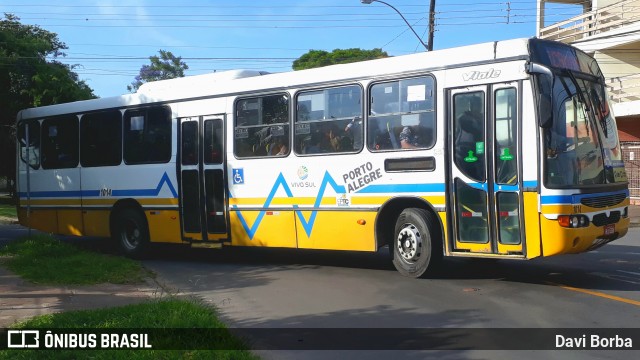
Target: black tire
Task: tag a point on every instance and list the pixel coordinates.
(415, 245)
(130, 232)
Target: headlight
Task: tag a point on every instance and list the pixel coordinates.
(573, 221)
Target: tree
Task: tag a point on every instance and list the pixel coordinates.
(318, 58)
(166, 66)
(29, 79)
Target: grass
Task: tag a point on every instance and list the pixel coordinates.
(8, 210)
(177, 329)
(187, 322)
(43, 259)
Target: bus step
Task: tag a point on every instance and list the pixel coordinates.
(206, 245)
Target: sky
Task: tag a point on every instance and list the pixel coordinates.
(109, 40)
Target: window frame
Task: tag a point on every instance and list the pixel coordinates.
(128, 114)
(99, 117)
(369, 143)
(286, 125)
(45, 124)
(38, 144)
(347, 120)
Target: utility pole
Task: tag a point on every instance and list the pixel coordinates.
(432, 26)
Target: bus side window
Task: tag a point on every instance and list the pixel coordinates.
(262, 126)
(329, 120)
(60, 142)
(30, 150)
(147, 135)
(402, 115)
(101, 139)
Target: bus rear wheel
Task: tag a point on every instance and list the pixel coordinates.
(413, 243)
(130, 232)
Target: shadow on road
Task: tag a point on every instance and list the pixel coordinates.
(616, 268)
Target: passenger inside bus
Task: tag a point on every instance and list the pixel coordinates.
(410, 137)
(277, 147)
(354, 132)
(319, 142)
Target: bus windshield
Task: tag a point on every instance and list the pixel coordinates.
(581, 146)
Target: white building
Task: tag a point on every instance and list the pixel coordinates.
(610, 31)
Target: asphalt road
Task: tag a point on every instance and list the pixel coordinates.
(264, 288)
(268, 288)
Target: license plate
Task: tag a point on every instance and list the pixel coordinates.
(609, 229)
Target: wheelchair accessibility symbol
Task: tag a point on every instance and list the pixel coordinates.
(238, 176)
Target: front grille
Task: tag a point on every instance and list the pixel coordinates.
(602, 219)
(604, 201)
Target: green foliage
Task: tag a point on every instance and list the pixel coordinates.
(163, 67)
(318, 58)
(184, 322)
(30, 76)
(42, 259)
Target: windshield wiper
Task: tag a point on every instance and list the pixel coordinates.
(578, 89)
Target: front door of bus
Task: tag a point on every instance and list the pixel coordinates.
(484, 182)
(202, 187)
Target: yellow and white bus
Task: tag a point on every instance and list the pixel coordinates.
(506, 149)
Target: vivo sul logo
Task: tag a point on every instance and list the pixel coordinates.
(481, 75)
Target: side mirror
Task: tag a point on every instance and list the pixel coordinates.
(545, 99)
(545, 111)
(544, 79)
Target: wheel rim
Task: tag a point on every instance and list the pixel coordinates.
(130, 235)
(409, 243)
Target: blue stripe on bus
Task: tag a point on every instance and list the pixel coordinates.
(556, 199)
(575, 199)
(149, 192)
(497, 188)
(95, 193)
(57, 194)
(402, 188)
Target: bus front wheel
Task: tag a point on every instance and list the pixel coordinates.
(413, 243)
(130, 232)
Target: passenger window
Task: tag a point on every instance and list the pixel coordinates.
(329, 121)
(147, 136)
(262, 126)
(30, 150)
(101, 139)
(401, 115)
(60, 142)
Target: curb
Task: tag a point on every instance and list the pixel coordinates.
(8, 220)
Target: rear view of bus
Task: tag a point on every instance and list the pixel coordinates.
(584, 195)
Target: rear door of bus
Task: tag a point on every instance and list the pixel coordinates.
(202, 186)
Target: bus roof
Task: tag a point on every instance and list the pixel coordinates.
(240, 81)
